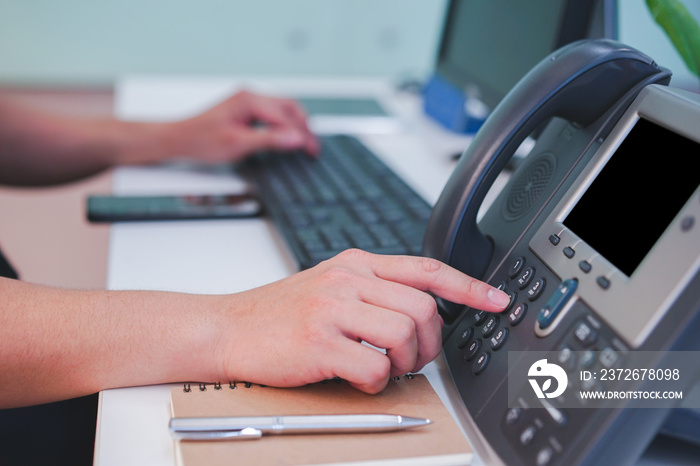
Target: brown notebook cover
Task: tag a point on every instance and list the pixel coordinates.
(440, 443)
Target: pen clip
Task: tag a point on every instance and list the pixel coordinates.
(249, 433)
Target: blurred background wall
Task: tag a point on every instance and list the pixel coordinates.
(83, 42)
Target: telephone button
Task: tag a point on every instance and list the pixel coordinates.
(466, 336)
(566, 358)
(587, 358)
(585, 334)
(513, 297)
(536, 289)
(479, 317)
(569, 252)
(499, 339)
(516, 267)
(480, 363)
(528, 435)
(556, 414)
(687, 223)
(608, 357)
(585, 266)
(472, 349)
(554, 239)
(525, 277)
(544, 456)
(489, 326)
(517, 314)
(513, 415)
(556, 302)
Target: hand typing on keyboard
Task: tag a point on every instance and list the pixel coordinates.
(243, 124)
(309, 327)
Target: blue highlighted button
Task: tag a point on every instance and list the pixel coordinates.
(556, 302)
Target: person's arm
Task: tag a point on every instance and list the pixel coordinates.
(56, 344)
(40, 149)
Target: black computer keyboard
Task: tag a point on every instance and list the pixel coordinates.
(346, 198)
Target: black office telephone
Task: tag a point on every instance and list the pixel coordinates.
(594, 237)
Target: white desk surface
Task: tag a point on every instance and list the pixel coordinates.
(216, 256)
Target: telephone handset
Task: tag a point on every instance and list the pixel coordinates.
(595, 237)
(585, 82)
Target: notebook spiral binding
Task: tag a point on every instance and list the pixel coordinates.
(187, 386)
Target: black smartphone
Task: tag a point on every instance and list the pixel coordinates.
(102, 208)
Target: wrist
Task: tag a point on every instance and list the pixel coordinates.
(144, 142)
(174, 341)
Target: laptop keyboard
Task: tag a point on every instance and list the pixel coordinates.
(347, 198)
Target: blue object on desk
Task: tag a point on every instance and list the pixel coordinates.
(451, 107)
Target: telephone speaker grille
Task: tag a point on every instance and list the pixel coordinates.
(528, 185)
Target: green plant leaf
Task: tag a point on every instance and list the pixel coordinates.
(681, 28)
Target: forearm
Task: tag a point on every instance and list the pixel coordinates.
(305, 328)
(40, 149)
(56, 344)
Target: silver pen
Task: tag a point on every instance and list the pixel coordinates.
(229, 428)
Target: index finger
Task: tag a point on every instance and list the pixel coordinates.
(436, 277)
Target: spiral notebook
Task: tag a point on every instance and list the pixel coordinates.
(440, 443)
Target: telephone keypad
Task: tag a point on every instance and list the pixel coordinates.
(485, 341)
(486, 326)
(526, 427)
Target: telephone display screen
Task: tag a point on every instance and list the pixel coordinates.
(635, 197)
